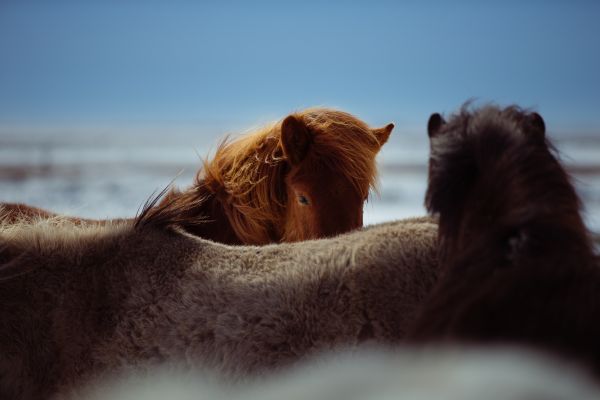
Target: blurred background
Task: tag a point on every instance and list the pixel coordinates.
(102, 103)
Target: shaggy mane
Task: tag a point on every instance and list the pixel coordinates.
(525, 168)
(247, 175)
(517, 261)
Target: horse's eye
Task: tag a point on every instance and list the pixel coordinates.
(303, 200)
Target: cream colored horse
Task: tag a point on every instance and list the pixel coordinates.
(80, 301)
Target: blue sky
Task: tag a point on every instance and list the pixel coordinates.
(229, 62)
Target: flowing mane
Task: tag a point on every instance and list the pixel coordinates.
(247, 175)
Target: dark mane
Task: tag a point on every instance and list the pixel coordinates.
(490, 170)
(517, 259)
(151, 214)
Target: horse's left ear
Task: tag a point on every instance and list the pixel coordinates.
(383, 134)
(435, 123)
(537, 125)
(295, 139)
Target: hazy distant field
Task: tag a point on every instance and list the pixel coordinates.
(106, 176)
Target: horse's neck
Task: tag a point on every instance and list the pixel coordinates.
(205, 216)
(554, 209)
(533, 203)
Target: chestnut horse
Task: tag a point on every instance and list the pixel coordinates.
(302, 178)
(517, 264)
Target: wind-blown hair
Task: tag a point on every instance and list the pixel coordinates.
(247, 175)
(304, 177)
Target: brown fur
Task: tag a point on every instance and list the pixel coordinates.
(19, 212)
(79, 301)
(517, 261)
(249, 192)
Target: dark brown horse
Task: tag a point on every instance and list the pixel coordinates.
(301, 178)
(517, 262)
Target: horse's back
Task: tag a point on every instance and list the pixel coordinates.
(99, 298)
(58, 288)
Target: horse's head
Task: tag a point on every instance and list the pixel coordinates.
(331, 167)
(473, 147)
(493, 170)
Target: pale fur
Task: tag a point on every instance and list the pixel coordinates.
(79, 301)
(448, 373)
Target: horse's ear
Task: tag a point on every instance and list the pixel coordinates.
(436, 121)
(295, 139)
(537, 125)
(383, 134)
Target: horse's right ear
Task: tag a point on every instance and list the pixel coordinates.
(383, 134)
(295, 139)
(436, 121)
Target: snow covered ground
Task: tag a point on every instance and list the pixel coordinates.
(111, 175)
